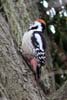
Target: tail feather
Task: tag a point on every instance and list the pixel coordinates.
(38, 73)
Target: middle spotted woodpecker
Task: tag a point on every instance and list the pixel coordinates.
(34, 46)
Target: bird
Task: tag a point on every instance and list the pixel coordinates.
(34, 46)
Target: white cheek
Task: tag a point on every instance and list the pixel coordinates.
(40, 28)
(36, 24)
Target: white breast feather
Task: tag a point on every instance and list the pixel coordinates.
(27, 46)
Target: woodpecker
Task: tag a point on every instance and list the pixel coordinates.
(34, 46)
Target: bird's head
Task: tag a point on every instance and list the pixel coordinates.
(38, 25)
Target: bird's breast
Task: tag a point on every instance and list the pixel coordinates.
(27, 46)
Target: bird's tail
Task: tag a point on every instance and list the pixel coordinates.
(38, 73)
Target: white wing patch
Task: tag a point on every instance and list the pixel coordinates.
(38, 38)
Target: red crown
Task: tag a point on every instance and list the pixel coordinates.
(41, 21)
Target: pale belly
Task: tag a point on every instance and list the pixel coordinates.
(27, 47)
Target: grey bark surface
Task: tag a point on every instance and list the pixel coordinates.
(60, 94)
(16, 80)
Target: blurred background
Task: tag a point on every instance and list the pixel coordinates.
(55, 14)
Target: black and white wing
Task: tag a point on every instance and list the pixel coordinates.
(39, 44)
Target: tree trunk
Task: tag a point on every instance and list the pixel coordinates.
(16, 79)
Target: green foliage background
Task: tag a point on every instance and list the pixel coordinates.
(58, 43)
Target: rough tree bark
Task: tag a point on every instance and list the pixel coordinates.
(16, 78)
